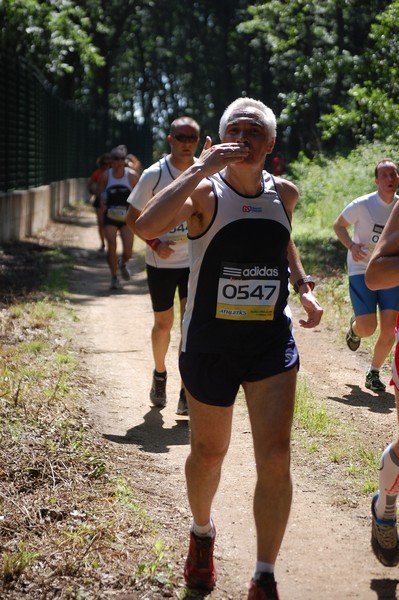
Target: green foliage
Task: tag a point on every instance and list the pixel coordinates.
(141, 60)
(55, 35)
(161, 569)
(69, 518)
(15, 563)
(369, 110)
(310, 415)
(327, 185)
(381, 58)
(36, 346)
(318, 430)
(371, 114)
(314, 60)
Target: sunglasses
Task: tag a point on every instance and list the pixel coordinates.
(180, 137)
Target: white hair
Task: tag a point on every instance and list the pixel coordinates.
(268, 116)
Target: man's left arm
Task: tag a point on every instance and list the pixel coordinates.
(303, 285)
(289, 194)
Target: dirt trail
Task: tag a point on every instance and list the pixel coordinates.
(326, 551)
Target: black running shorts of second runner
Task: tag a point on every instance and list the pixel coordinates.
(163, 284)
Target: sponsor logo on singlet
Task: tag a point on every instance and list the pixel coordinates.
(249, 272)
(251, 209)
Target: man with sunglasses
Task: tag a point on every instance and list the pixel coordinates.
(236, 330)
(166, 255)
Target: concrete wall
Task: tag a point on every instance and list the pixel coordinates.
(23, 213)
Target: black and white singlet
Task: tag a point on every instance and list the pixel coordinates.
(117, 192)
(238, 286)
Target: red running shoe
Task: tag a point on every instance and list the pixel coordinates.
(264, 588)
(199, 570)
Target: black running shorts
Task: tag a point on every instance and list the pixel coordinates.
(215, 378)
(108, 221)
(163, 284)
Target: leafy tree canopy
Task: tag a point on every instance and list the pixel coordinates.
(328, 69)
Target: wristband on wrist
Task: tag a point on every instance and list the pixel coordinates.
(154, 243)
(307, 279)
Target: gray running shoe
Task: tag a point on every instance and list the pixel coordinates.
(352, 340)
(182, 407)
(124, 270)
(373, 381)
(384, 538)
(158, 391)
(115, 285)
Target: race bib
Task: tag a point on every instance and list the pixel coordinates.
(247, 292)
(117, 213)
(178, 235)
(375, 236)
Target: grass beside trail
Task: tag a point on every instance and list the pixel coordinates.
(72, 524)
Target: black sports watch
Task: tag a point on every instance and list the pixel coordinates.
(307, 279)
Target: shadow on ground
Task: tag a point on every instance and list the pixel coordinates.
(383, 403)
(385, 588)
(151, 435)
